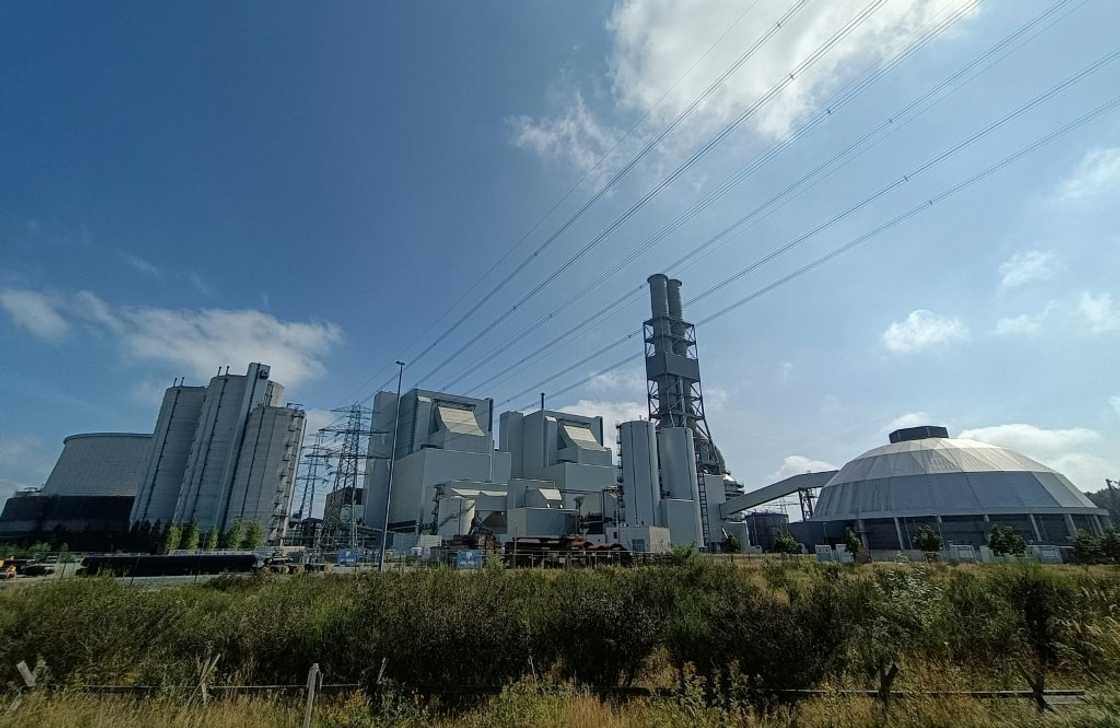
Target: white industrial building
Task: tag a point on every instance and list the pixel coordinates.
(222, 453)
(552, 473)
(959, 488)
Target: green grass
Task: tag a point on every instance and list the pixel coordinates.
(732, 636)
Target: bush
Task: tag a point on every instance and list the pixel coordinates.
(1006, 541)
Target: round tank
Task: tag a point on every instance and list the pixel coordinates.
(99, 463)
(167, 461)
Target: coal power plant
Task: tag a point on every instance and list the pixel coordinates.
(431, 474)
(223, 453)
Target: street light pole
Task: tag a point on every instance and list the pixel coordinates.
(392, 460)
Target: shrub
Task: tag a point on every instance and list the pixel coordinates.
(1006, 541)
(927, 540)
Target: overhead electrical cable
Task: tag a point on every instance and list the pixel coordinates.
(593, 170)
(891, 122)
(578, 183)
(840, 100)
(618, 175)
(904, 179)
(788, 78)
(1109, 105)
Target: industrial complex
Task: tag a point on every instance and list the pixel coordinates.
(423, 469)
(219, 454)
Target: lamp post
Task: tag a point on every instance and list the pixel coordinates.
(392, 460)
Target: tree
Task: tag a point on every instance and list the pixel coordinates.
(853, 542)
(927, 540)
(211, 541)
(1110, 545)
(891, 614)
(1005, 540)
(232, 538)
(253, 537)
(784, 543)
(1044, 612)
(731, 545)
(171, 538)
(188, 539)
(1087, 548)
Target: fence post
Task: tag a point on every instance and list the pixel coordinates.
(314, 682)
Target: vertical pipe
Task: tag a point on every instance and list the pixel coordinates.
(544, 439)
(392, 460)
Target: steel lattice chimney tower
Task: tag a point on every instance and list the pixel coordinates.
(675, 396)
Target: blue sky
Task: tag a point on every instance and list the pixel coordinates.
(324, 188)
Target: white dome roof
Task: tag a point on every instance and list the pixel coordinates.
(945, 476)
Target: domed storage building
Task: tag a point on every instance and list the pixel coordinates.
(959, 488)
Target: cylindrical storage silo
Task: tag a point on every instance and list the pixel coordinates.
(167, 459)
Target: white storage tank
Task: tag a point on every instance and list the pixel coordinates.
(99, 463)
(167, 459)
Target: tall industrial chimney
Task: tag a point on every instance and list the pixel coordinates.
(676, 398)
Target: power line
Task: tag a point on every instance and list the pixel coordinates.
(890, 122)
(713, 86)
(897, 220)
(789, 78)
(618, 175)
(843, 98)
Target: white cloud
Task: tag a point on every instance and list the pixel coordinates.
(798, 464)
(199, 284)
(1087, 472)
(921, 330)
(1114, 400)
(1023, 268)
(1099, 171)
(34, 311)
(1031, 440)
(199, 340)
(318, 419)
(575, 136)
(910, 419)
(1025, 324)
(139, 264)
(205, 339)
(631, 380)
(1099, 312)
(653, 41)
(613, 414)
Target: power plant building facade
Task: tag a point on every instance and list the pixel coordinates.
(223, 453)
(959, 488)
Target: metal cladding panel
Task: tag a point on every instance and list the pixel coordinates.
(454, 516)
(682, 518)
(208, 483)
(458, 420)
(510, 440)
(166, 466)
(714, 493)
(108, 464)
(265, 473)
(416, 476)
(668, 363)
(641, 488)
(530, 522)
(38, 514)
(678, 463)
(945, 476)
